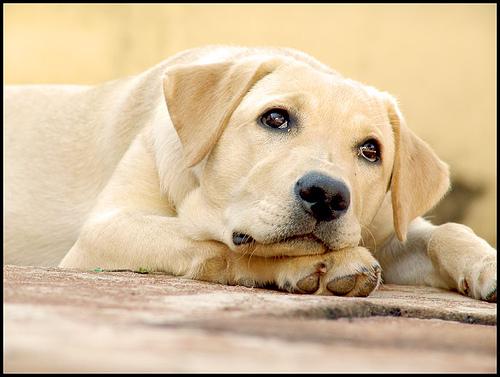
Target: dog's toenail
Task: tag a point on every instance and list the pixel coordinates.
(465, 287)
(492, 297)
(321, 268)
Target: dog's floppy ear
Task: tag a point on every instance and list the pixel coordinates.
(419, 178)
(201, 99)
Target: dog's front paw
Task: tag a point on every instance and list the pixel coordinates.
(348, 272)
(481, 282)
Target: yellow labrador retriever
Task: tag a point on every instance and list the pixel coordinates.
(248, 166)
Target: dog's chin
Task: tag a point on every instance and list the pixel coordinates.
(299, 245)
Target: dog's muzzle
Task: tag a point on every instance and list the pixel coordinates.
(321, 197)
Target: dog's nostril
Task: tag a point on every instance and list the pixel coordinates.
(338, 203)
(312, 194)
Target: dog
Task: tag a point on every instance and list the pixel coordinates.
(240, 166)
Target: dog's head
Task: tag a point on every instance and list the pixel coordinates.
(296, 155)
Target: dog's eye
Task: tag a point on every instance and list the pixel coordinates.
(370, 150)
(276, 118)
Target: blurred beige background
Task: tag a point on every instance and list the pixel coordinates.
(439, 60)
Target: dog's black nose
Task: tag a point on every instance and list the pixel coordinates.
(322, 196)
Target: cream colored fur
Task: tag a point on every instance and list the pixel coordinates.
(158, 170)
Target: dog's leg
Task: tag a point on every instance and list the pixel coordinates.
(446, 256)
(137, 241)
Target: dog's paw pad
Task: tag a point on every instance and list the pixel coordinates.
(360, 284)
(342, 285)
(483, 281)
(309, 284)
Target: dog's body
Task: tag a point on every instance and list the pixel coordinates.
(264, 166)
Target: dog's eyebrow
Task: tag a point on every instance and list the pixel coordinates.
(292, 97)
(365, 127)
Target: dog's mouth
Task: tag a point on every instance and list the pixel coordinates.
(244, 239)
